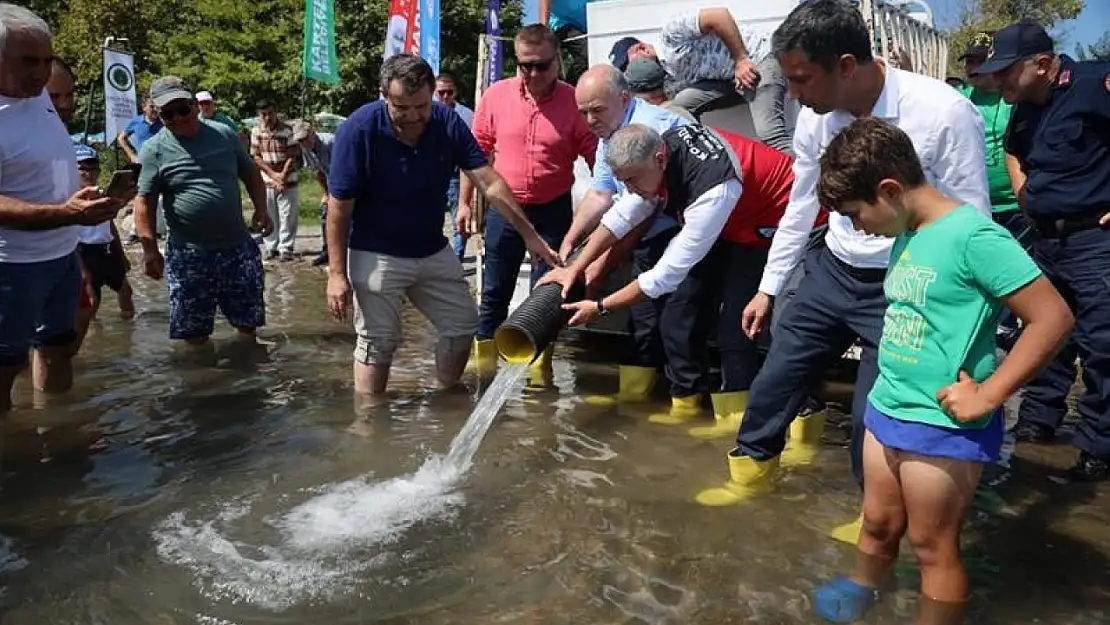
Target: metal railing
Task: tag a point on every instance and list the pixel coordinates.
(895, 33)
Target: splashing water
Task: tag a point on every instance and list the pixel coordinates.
(328, 540)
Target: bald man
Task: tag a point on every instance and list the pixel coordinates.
(606, 101)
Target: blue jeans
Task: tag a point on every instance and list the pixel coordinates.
(834, 304)
(505, 252)
(38, 306)
(458, 242)
(1079, 267)
(200, 279)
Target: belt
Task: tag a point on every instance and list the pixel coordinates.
(1059, 228)
(863, 274)
(106, 246)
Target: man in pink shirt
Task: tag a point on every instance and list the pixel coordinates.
(531, 127)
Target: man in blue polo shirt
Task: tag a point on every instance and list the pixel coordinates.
(391, 163)
(131, 139)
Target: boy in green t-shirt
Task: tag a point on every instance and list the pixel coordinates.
(934, 415)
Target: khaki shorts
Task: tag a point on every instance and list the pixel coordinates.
(435, 285)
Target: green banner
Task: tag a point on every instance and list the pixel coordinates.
(319, 42)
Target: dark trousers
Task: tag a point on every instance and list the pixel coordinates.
(667, 331)
(739, 269)
(505, 252)
(834, 305)
(1079, 266)
(1017, 225)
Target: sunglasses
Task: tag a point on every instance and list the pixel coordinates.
(169, 112)
(536, 66)
(445, 92)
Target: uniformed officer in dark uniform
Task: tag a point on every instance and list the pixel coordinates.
(1060, 132)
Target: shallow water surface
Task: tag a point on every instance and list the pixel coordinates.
(165, 491)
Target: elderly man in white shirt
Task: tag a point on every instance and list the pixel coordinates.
(40, 277)
(825, 52)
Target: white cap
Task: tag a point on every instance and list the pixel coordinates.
(204, 96)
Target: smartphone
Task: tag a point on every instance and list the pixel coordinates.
(122, 180)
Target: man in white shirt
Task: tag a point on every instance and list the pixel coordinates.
(446, 92)
(40, 278)
(825, 53)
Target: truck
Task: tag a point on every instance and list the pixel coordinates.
(896, 33)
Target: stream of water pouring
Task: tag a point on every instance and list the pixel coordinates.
(329, 540)
(461, 453)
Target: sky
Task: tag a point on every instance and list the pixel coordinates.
(1092, 22)
(1087, 29)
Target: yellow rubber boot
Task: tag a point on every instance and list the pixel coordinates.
(483, 359)
(683, 410)
(540, 373)
(728, 412)
(849, 532)
(805, 440)
(747, 478)
(635, 385)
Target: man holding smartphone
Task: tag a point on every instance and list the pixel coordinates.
(40, 202)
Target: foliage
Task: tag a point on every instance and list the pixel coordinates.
(990, 15)
(1100, 50)
(243, 51)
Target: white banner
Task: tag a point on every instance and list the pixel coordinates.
(119, 92)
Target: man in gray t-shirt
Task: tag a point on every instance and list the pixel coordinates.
(316, 157)
(196, 167)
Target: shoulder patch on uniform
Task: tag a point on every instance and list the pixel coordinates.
(1065, 78)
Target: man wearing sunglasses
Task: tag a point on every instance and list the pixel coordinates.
(531, 126)
(210, 259)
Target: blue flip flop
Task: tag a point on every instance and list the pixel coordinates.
(843, 600)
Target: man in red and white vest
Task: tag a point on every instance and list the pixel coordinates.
(728, 192)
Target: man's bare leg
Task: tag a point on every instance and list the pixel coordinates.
(7, 381)
(452, 354)
(371, 379)
(201, 350)
(126, 299)
(52, 368)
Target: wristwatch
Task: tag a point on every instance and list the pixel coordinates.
(601, 309)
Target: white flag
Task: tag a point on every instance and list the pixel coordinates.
(119, 92)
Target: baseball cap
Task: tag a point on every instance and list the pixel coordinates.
(169, 88)
(618, 55)
(1013, 43)
(301, 129)
(978, 48)
(205, 96)
(85, 153)
(644, 75)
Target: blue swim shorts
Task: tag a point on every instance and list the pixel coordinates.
(973, 445)
(200, 279)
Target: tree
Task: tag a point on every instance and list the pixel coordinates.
(991, 15)
(1100, 50)
(244, 50)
